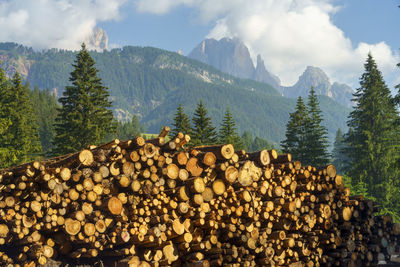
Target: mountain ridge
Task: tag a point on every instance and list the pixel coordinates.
(233, 57)
(315, 77)
(150, 82)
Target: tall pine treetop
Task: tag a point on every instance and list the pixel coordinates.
(228, 132)
(181, 122)
(317, 134)
(203, 133)
(19, 141)
(85, 117)
(338, 152)
(296, 132)
(373, 141)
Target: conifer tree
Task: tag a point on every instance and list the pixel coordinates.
(317, 140)
(181, 122)
(127, 130)
(247, 139)
(297, 133)
(85, 117)
(203, 133)
(338, 152)
(228, 133)
(7, 154)
(45, 109)
(20, 138)
(373, 142)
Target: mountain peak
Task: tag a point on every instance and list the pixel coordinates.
(311, 77)
(317, 78)
(262, 75)
(228, 55)
(98, 40)
(233, 57)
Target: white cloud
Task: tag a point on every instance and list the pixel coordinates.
(54, 23)
(160, 6)
(289, 35)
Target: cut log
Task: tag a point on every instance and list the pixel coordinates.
(86, 157)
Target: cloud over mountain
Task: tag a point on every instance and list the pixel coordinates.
(54, 23)
(288, 34)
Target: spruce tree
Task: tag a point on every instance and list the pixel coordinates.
(20, 138)
(372, 140)
(297, 133)
(181, 122)
(317, 140)
(45, 110)
(247, 139)
(228, 133)
(85, 116)
(127, 130)
(7, 153)
(338, 152)
(203, 133)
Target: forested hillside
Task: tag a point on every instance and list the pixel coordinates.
(150, 82)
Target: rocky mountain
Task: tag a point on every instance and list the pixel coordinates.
(232, 56)
(151, 82)
(98, 40)
(317, 78)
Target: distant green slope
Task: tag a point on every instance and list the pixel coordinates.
(263, 115)
(150, 82)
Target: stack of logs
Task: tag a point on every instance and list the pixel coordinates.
(159, 203)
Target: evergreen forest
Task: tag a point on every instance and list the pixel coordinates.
(36, 124)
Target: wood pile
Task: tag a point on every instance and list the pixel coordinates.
(158, 203)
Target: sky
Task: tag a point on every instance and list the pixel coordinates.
(335, 35)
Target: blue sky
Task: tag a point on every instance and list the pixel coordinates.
(370, 21)
(335, 35)
(179, 30)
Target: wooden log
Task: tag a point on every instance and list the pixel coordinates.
(86, 157)
(261, 157)
(209, 158)
(220, 151)
(164, 132)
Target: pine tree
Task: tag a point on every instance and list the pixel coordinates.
(20, 138)
(260, 144)
(203, 133)
(85, 117)
(181, 122)
(373, 142)
(317, 140)
(227, 132)
(338, 152)
(297, 133)
(127, 130)
(45, 109)
(247, 139)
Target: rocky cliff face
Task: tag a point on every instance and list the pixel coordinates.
(262, 75)
(317, 78)
(311, 77)
(98, 40)
(233, 57)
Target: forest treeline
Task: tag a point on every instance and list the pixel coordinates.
(33, 125)
(147, 81)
